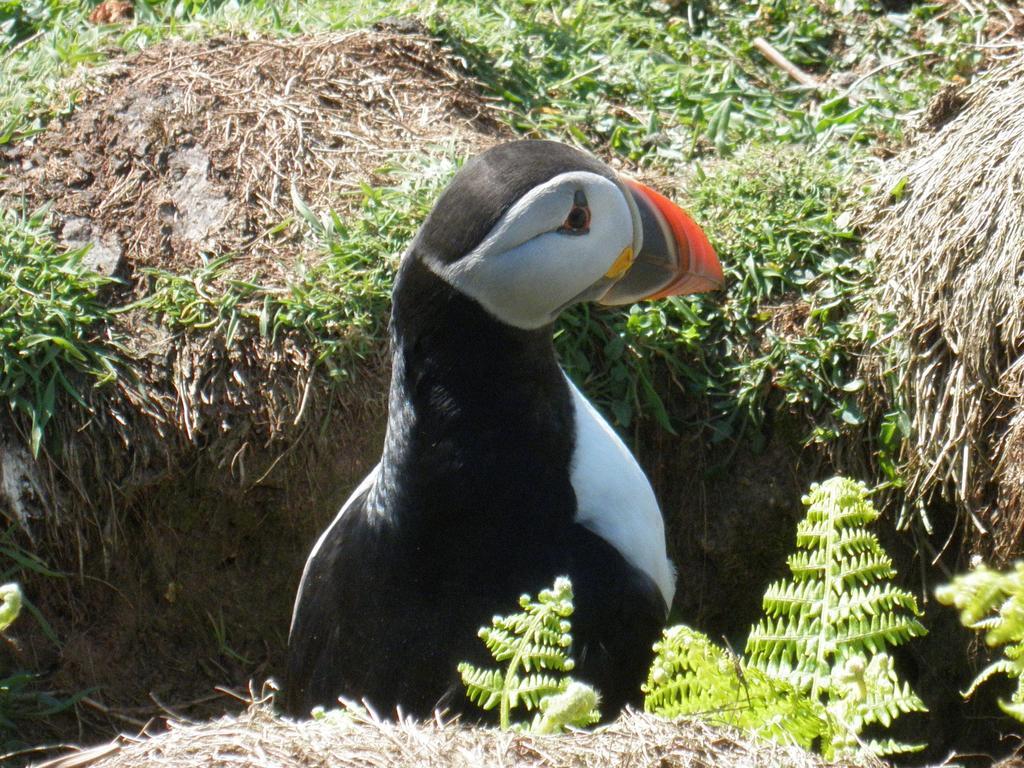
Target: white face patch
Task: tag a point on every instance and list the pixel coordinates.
(614, 498)
(525, 270)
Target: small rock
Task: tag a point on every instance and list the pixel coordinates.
(22, 495)
(201, 206)
(104, 254)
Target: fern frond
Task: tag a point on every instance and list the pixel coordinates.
(865, 692)
(985, 594)
(531, 689)
(875, 600)
(816, 668)
(993, 601)
(1013, 709)
(693, 676)
(864, 568)
(504, 646)
(873, 633)
(782, 597)
(532, 642)
(891, 747)
(10, 604)
(837, 614)
(483, 686)
(499, 641)
(853, 541)
(807, 565)
(787, 648)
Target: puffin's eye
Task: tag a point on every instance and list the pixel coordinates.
(578, 220)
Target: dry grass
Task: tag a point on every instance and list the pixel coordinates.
(188, 151)
(258, 738)
(192, 148)
(950, 252)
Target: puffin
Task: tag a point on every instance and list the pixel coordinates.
(497, 475)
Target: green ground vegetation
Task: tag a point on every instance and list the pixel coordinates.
(533, 646)
(992, 602)
(766, 163)
(816, 670)
(50, 315)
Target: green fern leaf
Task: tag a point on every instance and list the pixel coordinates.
(782, 597)
(868, 691)
(1013, 709)
(836, 615)
(10, 604)
(864, 568)
(816, 668)
(483, 686)
(533, 642)
(993, 602)
(693, 676)
(890, 747)
(533, 688)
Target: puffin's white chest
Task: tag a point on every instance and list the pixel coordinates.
(614, 498)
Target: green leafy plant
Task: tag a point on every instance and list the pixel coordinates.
(10, 604)
(49, 305)
(816, 664)
(24, 695)
(693, 676)
(655, 84)
(993, 602)
(534, 645)
(10, 686)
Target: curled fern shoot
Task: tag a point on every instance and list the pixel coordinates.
(535, 644)
(993, 602)
(576, 705)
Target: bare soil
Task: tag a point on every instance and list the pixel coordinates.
(189, 149)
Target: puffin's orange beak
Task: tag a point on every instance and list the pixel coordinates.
(696, 267)
(674, 258)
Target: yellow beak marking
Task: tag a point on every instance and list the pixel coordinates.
(621, 265)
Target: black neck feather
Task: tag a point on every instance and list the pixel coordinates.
(480, 423)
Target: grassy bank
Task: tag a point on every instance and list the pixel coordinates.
(681, 94)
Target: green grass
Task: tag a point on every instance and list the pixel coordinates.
(684, 91)
(649, 83)
(659, 88)
(774, 227)
(51, 322)
(341, 305)
(773, 220)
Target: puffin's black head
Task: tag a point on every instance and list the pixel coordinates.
(531, 227)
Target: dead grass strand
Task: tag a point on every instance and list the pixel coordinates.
(950, 253)
(259, 738)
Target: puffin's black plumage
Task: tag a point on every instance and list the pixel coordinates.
(472, 503)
